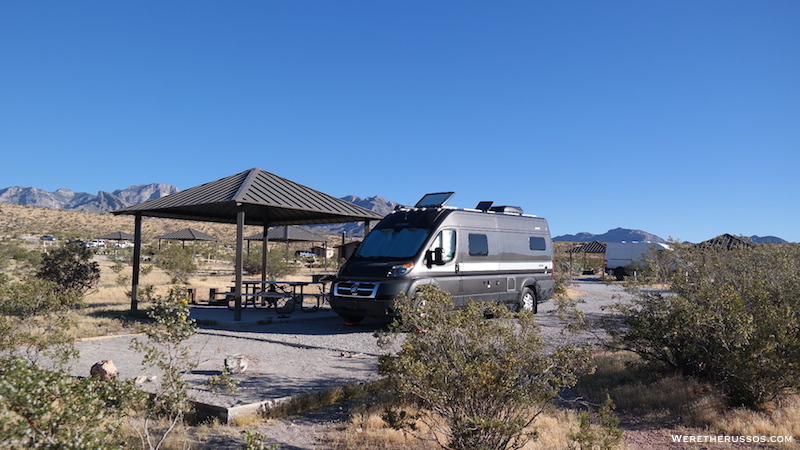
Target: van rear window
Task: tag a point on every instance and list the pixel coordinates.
(478, 245)
(538, 243)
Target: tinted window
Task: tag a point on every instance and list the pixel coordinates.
(393, 243)
(446, 240)
(538, 243)
(478, 245)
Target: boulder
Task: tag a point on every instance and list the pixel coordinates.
(105, 370)
(236, 364)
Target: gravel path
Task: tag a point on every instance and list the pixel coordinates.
(309, 431)
(302, 353)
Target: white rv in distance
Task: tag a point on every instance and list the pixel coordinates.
(621, 255)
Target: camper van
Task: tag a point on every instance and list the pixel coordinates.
(490, 253)
(621, 257)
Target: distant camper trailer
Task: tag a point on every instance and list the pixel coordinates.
(490, 253)
(620, 256)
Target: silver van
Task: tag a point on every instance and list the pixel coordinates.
(490, 253)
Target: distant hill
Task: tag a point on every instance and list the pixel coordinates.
(628, 235)
(356, 229)
(615, 235)
(767, 240)
(105, 202)
(82, 201)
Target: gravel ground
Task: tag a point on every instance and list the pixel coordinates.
(314, 351)
(309, 431)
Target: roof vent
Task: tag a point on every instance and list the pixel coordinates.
(507, 209)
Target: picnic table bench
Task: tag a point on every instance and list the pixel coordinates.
(213, 293)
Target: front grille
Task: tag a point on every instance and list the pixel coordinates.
(359, 289)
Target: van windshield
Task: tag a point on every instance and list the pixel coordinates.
(393, 243)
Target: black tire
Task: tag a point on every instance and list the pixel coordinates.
(353, 320)
(528, 301)
(619, 273)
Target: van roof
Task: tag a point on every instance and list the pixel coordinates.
(437, 200)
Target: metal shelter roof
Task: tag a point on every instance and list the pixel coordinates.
(286, 233)
(591, 247)
(188, 234)
(117, 236)
(264, 197)
(252, 197)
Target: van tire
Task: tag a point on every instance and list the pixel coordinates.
(353, 319)
(528, 301)
(619, 273)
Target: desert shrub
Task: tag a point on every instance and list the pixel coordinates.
(51, 409)
(177, 262)
(488, 379)
(164, 349)
(41, 404)
(731, 317)
(277, 265)
(35, 316)
(71, 267)
(13, 251)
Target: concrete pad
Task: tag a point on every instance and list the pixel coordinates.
(303, 353)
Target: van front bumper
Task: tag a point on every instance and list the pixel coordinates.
(356, 307)
(366, 298)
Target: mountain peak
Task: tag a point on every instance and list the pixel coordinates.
(614, 235)
(82, 201)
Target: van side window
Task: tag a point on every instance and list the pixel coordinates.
(478, 245)
(446, 240)
(538, 243)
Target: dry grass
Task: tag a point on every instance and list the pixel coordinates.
(367, 430)
(18, 221)
(677, 399)
(669, 401)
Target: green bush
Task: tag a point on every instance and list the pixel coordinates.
(70, 266)
(35, 316)
(164, 349)
(277, 265)
(731, 317)
(177, 262)
(41, 404)
(12, 251)
(487, 379)
(51, 409)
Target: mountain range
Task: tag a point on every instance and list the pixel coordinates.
(615, 235)
(628, 235)
(105, 202)
(82, 201)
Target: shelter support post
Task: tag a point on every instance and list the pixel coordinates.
(137, 260)
(237, 310)
(264, 251)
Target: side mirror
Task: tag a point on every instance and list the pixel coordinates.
(435, 257)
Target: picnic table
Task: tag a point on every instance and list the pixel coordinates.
(279, 295)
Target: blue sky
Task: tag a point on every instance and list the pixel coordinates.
(680, 118)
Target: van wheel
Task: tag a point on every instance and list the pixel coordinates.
(619, 273)
(353, 319)
(527, 301)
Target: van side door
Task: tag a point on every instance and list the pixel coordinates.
(444, 246)
(479, 270)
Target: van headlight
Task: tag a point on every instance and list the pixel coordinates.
(400, 270)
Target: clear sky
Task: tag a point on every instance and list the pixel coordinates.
(680, 118)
